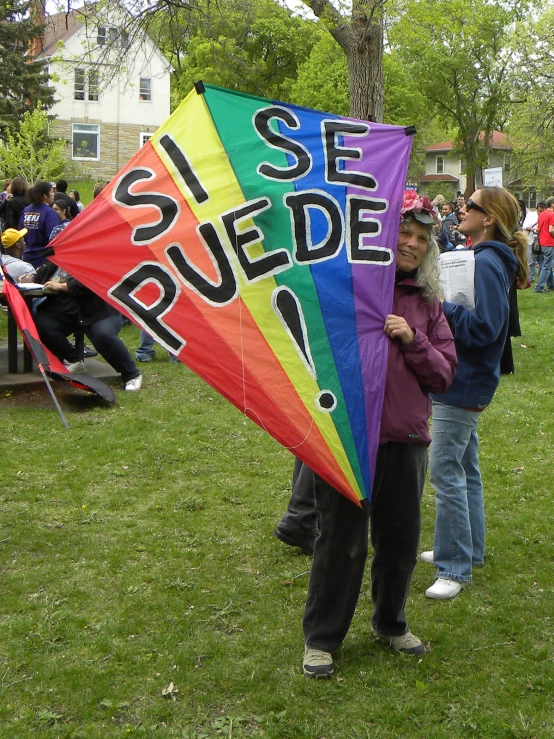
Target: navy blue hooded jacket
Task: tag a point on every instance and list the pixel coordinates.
(480, 334)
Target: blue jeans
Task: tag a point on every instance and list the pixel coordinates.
(545, 275)
(146, 352)
(459, 540)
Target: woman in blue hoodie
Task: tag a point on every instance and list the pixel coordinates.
(490, 219)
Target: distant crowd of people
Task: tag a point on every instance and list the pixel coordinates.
(30, 219)
(537, 224)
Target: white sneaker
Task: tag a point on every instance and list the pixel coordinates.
(75, 368)
(133, 385)
(444, 589)
(427, 557)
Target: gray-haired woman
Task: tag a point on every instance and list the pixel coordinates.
(421, 359)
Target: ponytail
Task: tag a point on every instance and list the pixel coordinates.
(518, 244)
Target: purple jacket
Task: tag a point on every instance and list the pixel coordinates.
(39, 220)
(414, 370)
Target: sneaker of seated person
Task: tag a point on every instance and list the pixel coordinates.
(317, 663)
(75, 368)
(131, 386)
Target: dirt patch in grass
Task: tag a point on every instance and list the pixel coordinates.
(38, 397)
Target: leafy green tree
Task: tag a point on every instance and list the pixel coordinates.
(255, 47)
(29, 153)
(357, 28)
(322, 80)
(24, 80)
(458, 52)
(322, 83)
(531, 128)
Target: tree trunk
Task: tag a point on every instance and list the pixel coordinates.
(361, 39)
(364, 55)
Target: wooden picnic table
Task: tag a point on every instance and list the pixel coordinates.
(13, 367)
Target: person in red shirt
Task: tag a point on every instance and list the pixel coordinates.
(545, 228)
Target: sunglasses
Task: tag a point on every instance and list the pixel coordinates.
(471, 205)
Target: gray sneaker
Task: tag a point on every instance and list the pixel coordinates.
(75, 368)
(317, 663)
(408, 643)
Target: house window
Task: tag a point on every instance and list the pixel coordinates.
(144, 137)
(80, 84)
(85, 138)
(93, 85)
(86, 84)
(532, 198)
(112, 36)
(440, 165)
(507, 162)
(463, 165)
(145, 88)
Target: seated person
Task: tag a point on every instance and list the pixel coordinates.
(13, 244)
(69, 306)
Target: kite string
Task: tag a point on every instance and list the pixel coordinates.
(250, 412)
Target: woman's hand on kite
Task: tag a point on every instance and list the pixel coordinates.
(397, 328)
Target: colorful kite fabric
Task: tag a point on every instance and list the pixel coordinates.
(256, 240)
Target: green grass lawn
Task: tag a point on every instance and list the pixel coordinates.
(136, 551)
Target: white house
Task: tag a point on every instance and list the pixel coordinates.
(442, 166)
(112, 91)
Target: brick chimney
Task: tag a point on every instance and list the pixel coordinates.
(38, 14)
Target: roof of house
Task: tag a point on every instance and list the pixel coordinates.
(60, 27)
(498, 140)
(437, 178)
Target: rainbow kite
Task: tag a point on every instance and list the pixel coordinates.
(256, 240)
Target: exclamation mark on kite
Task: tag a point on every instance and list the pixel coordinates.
(289, 311)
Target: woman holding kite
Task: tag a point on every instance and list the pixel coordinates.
(422, 359)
